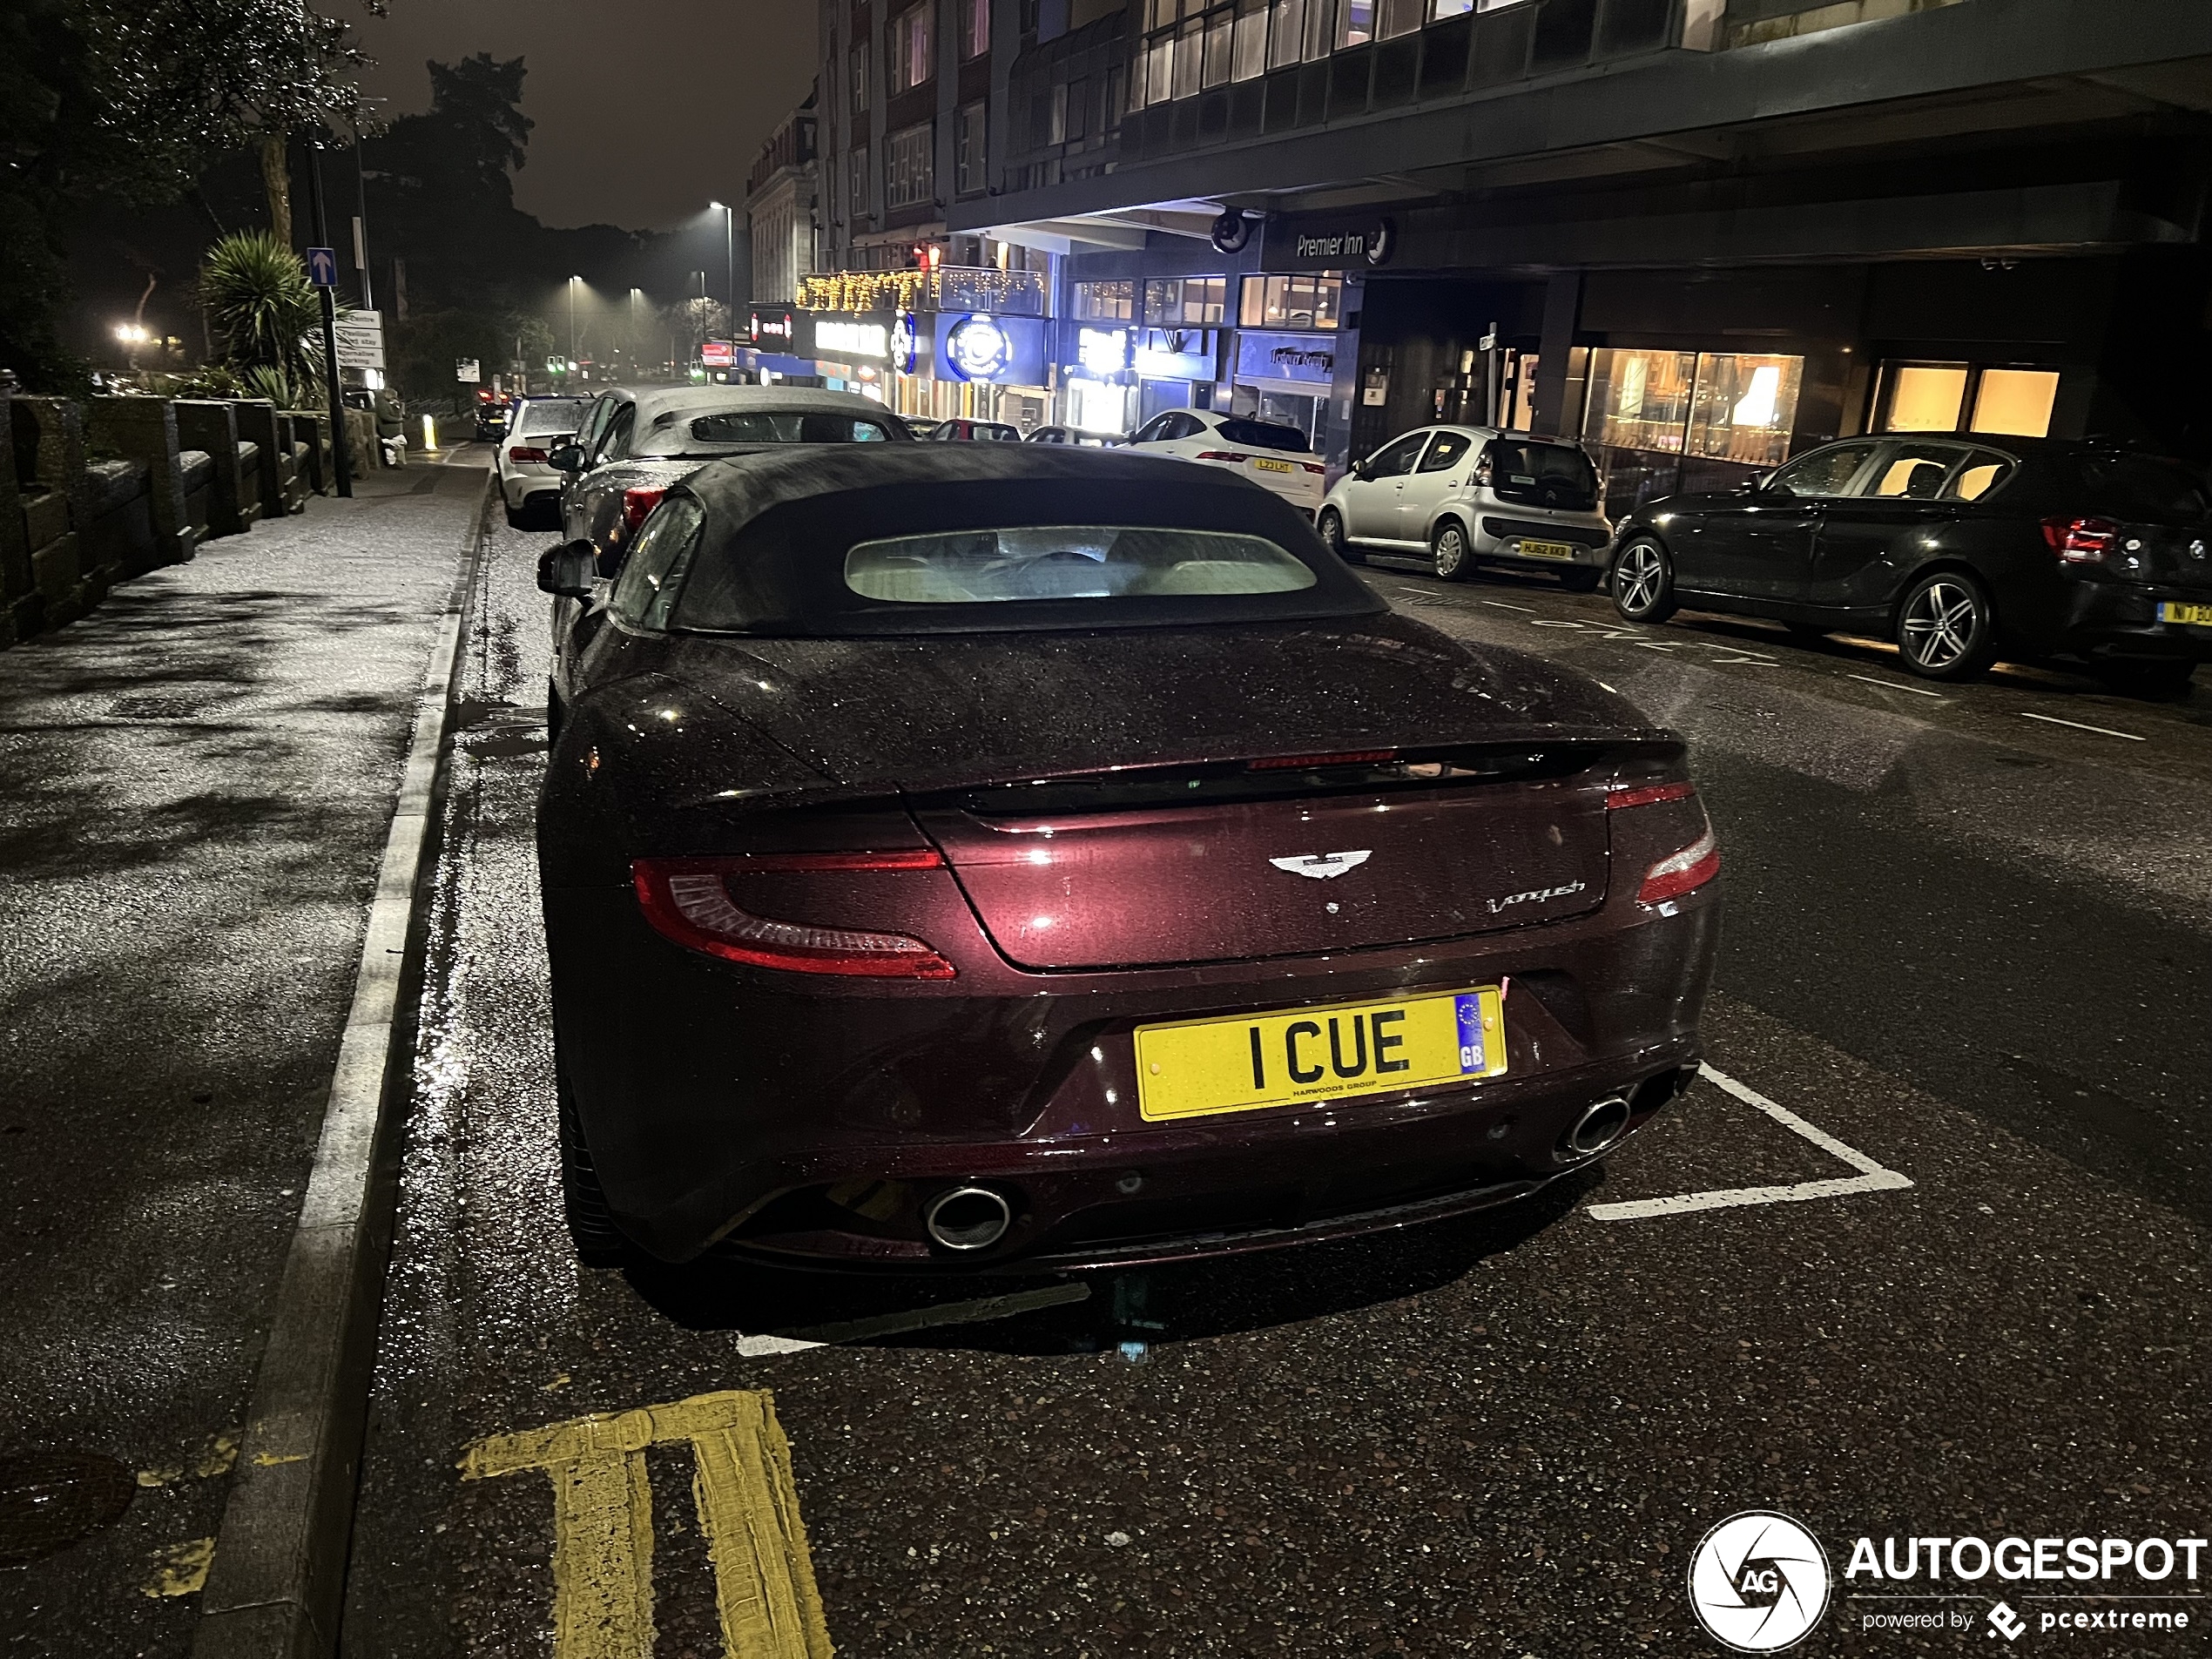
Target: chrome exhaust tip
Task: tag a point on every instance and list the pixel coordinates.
(968, 1217)
(1599, 1127)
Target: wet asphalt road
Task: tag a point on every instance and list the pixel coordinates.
(199, 776)
(1971, 945)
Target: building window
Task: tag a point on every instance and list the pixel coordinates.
(1744, 408)
(908, 180)
(1248, 59)
(910, 64)
(1640, 400)
(1116, 87)
(1186, 302)
(859, 77)
(857, 195)
(1922, 397)
(1356, 23)
(1292, 302)
(1056, 128)
(1954, 397)
(2016, 401)
(968, 148)
(974, 28)
(1106, 301)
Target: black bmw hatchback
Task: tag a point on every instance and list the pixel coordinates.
(1959, 548)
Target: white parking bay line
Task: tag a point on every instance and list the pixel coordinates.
(1502, 605)
(1892, 686)
(1872, 1176)
(2101, 731)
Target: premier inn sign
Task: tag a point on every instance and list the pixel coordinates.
(1331, 248)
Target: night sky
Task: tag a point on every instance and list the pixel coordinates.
(646, 110)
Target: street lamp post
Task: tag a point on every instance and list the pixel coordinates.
(573, 282)
(729, 258)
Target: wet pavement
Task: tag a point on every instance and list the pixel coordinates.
(1967, 948)
(199, 778)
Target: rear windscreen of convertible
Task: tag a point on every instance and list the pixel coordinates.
(1069, 562)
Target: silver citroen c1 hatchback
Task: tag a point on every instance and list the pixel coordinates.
(1463, 495)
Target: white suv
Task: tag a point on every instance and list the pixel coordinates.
(1277, 456)
(531, 488)
(1464, 493)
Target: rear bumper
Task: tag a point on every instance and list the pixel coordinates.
(1499, 535)
(2107, 621)
(808, 1119)
(522, 487)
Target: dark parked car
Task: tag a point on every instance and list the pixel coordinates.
(632, 445)
(1959, 548)
(997, 855)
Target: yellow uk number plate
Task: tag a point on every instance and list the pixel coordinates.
(1197, 1067)
(1273, 466)
(2192, 616)
(1546, 550)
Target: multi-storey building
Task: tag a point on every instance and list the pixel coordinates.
(1699, 233)
(782, 208)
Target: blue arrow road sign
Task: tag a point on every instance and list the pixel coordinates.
(322, 266)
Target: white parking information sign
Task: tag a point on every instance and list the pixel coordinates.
(361, 340)
(1758, 1581)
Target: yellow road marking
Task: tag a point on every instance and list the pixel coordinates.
(602, 1539)
(181, 1569)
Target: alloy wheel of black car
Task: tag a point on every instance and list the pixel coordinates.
(1450, 550)
(1330, 527)
(1644, 582)
(1946, 628)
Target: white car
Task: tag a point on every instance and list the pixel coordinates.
(1277, 456)
(1463, 494)
(531, 488)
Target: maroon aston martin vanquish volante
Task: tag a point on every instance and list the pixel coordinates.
(981, 857)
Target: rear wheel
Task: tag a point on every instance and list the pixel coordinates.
(1453, 559)
(1580, 579)
(598, 1242)
(1644, 582)
(518, 518)
(1330, 527)
(1946, 628)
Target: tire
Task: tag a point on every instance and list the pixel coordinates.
(518, 518)
(1580, 579)
(1453, 559)
(2159, 682)
(1946, 627)
(1643, 582)
(598, 1242)
(1328, 524)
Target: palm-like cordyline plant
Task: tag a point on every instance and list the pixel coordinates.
(259, 301)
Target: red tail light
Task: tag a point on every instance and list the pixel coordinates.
(1283, 763)
(688, 901)
(1648, 794)
(2080, 541)
(1686, 871)
(1313, 466)
(526, 452)
(636, 503)
(1222, 455)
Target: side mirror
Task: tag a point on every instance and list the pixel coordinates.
(1364, 471)
(568, 571)
(566, 457)
(1755, 484)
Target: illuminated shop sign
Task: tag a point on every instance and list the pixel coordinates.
(1308, 358)
(903, 339)
(717, 354)
(851, 339)
(1339, 246)
(983, 345)
(976, 348)
(1102, 351)
(773, 327)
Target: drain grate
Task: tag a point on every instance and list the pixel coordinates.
(50, 1500)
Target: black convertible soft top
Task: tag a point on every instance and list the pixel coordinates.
(770, 558)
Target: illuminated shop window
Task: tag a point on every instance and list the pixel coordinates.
(2016, 401)
(1106, 301)
(1922, 397)
(1640, 400)
(1187, 303)
(1292, 302)
(1743, 408)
